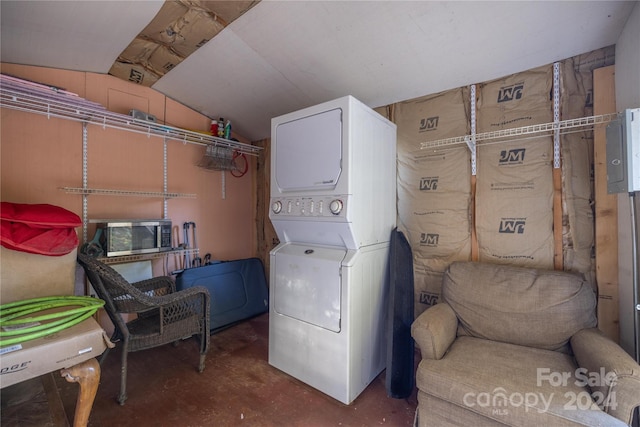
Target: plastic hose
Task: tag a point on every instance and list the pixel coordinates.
(22, 329)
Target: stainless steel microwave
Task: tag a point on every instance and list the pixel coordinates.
(119, 237)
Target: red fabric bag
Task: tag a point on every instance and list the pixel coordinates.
(38, 228)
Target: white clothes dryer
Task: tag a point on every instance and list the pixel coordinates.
(333, 181)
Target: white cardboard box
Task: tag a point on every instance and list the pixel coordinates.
(61, 350)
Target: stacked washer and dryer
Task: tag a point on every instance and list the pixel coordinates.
(333, 206)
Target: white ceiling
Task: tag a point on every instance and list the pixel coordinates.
(281, 56)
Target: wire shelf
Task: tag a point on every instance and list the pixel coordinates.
(22, 95)
(106, 192)
(545, 129)
(146, 257)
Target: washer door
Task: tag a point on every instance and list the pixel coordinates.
(308, 284)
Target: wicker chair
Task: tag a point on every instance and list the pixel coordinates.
(162, 315)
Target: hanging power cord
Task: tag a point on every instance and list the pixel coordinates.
(19, 329)
(241, 170)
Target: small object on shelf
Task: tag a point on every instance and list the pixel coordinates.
(214, 127)
(141, 115)
(227, 130)
(217, 158)
(221, 127)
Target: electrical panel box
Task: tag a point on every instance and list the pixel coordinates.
(623, 152)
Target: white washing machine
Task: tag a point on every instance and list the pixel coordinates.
(333, 181)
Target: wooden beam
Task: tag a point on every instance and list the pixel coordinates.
(266, 238)
(606, 210)
(558, 253)
(474, 237)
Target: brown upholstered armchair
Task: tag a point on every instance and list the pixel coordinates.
(162, 315)
(518, 347)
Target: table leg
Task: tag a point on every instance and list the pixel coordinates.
(87, 375)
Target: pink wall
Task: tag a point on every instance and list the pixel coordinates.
(41, 155)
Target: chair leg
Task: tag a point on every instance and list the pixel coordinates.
(203, 341)
(87, 374)
(201, 364)
(103, 357)
(122, 397)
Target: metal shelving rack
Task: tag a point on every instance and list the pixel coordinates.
(146, 257)
(106, 192)
(50, 101)
(554, 129)
(533, 131)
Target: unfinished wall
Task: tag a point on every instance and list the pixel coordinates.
(519, 209)
(267, 238)
(41, 155)
(514, 209)
(434, 188)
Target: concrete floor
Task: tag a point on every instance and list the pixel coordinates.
(238, 387)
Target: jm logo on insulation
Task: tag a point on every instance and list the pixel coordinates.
(510, 93)
(512, 226)
(427, 239)
(430, 123)
(428, 298)
(428, 183)
(512, 157)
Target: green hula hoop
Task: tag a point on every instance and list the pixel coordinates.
(11, 314)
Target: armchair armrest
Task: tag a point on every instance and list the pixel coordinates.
(618, 393)
(185, 304)
(161, 285)
(196, 296)
(176, 311)
(156, 293)
(434, 330)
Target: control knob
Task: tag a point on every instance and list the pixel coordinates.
(276, 207)
(335, 206)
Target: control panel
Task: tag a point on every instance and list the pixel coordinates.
(623, 152)
(321, 206)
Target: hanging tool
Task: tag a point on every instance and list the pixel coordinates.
(197, 261)
(177, 245)
(93, 248)
(187, 255)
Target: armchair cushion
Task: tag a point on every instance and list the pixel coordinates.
(506, 384)
(524, 306)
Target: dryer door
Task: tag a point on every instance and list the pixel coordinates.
(308, 152)
(308, 285)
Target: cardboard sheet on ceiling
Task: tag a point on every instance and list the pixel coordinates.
(179, 29)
